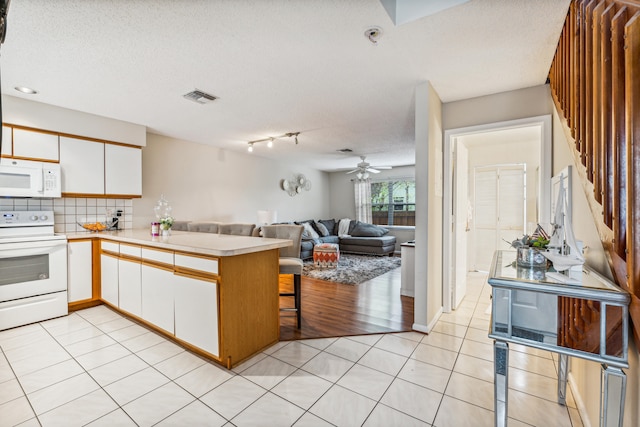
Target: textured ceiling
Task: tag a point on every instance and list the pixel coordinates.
(277, 66)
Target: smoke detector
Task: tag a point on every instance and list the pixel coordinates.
(199, 96)
(373, 34)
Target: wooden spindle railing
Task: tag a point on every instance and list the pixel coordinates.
(595, 83)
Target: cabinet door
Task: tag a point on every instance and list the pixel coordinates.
(35, 145)
(80, 271)
(157, 297)
(196, 312)
(109, 279)
(82, 165)
(123, 170)
(130, 286)
(6, 141)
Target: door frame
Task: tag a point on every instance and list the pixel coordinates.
(544, 186)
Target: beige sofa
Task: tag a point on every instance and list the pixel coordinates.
(240, 229)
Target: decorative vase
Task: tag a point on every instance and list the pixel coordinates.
(165, 232)
(531, 258)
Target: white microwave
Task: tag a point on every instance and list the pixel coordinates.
(27, 178)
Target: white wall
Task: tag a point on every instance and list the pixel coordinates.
(585, 376)
(18, 111)
(429, 192)
(499, 107)
(207, 183)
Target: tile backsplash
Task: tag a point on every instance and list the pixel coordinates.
(69, 211)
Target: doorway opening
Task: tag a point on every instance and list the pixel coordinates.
(506, 147)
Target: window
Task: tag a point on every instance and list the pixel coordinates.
(393, 202)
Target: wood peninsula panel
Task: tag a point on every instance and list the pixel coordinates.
(249, 304)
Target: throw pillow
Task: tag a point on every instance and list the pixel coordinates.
(330, 224)
(368, 230)
(311, 222)
(309, 232)
(322, 229)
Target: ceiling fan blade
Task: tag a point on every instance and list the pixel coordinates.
(383, 167)
(372, 170)
(355, 170)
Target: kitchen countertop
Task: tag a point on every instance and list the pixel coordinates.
(201, 243)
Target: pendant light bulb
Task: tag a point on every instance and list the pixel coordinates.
(270, 143)
(250, 149)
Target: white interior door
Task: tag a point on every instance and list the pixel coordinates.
(499, 210)
(461, 227)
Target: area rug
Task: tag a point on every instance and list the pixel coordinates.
(352, 269)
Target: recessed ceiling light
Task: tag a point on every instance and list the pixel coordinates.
(26, 90)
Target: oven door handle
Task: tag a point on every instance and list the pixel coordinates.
(13, 250)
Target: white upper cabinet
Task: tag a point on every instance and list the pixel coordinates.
(6, 141)
(82, 165)
(123, 170)
(35, 145)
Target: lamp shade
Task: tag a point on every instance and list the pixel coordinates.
(267, 217)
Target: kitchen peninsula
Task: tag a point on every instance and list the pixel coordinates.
(217, 295)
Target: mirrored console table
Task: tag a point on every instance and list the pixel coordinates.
(580, 314)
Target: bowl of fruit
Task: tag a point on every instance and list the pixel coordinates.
(93, 226)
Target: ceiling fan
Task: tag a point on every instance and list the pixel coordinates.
(364, 168)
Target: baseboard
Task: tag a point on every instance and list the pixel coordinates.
(582, 409)
(426, 329)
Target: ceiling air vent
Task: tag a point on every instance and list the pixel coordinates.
(199, 96)
(345, 150)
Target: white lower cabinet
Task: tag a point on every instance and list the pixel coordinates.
(157, 297)
(196, 312)
(109, 278)
(130, 286)
(80, 274)
(182, 304)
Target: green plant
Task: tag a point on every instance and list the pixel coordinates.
(166, 222)
(538, 242)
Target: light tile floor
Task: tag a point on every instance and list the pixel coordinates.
(95, 367)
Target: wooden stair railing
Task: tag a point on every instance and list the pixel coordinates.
(595, 84)
(579, 326)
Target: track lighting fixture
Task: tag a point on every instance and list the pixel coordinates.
(271, 139)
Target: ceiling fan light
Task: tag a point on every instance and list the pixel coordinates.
(270, 143)
(250, 149)
(365, 175)
(359, 175)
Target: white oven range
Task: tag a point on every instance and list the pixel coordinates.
(33, 268)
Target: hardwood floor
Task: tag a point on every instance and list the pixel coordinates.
(331, 309)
